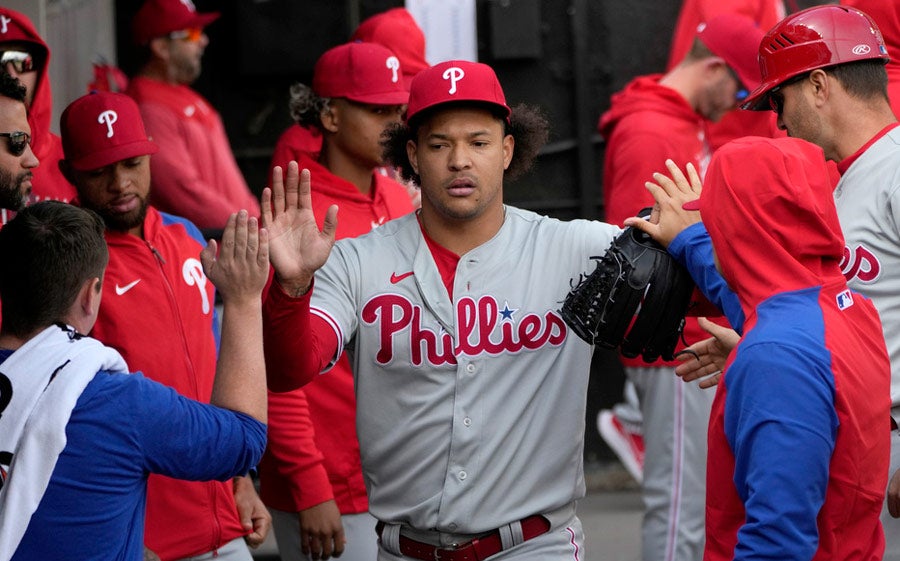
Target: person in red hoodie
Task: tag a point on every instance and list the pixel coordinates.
(311, 476)
(395, 29)
(654, 118)
(799, 445)
(155, 290)
(695, 13)
(26, 56)
(195, 174)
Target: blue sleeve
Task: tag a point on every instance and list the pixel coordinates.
(693, 249)
(197, 235)
(186, 439)
(781, 423)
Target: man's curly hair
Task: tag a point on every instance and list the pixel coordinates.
(527, 125)
(306, 106)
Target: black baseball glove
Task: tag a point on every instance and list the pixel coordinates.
(635, 299)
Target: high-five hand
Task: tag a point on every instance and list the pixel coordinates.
(670, 193)
(296, 246)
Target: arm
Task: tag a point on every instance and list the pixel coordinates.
(239, 273)
(782, 490)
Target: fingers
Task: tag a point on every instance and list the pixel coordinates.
(265, 202)
(262, 256)
(678, 177)
(241, 235)
(329, 226)
(297, 186)
(694, 177)
(277, 191)
(208, 256)
(228, 234)
(710, 382)
(647, 227)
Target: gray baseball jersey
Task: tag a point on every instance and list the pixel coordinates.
(868, 205)
(471, 412)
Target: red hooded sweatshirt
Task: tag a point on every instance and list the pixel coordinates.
(646, 124)
(799, 429)
(48, 182)
(313, 451)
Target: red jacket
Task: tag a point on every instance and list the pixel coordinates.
(293, 143)
(48, 182)
(646, 124)
(195, 174)
(158, 311)
(313, 450)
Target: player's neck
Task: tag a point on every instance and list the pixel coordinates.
(461, 235)
(349, 170)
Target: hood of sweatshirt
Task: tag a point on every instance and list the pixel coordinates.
(16, 27)
(769, 209)
(645, 93)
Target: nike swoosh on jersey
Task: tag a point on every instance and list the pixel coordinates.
(120, 290)
(395, 278)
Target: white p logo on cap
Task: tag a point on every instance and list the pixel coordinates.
(393, 63)
(454, 74)
(4, 23)
(107, 118)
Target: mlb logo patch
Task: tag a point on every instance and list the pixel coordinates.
(844, 299)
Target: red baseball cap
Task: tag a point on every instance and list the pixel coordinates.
(454, 81)
(156, 18)
(361, 72)
(736, 39)
(102, 128)
(397, 30)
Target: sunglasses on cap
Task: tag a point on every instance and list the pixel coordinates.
(20, 60)
(776, 98)
(17, 141)
(191, 34)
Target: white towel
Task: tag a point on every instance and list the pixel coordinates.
(48, 374)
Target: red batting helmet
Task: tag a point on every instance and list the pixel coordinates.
(814, 38)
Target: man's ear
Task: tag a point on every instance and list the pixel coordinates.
(822, 86)
(160, 47)
(509, 148)
(329, 117)
(412, 153)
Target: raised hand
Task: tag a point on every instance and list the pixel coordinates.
(669, 219)
(241, 267)
(296, 246)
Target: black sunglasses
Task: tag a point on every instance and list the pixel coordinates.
(17, 142)
(776, 99)
(21, 61)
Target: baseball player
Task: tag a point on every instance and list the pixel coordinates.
(311, 477)
(470, 389)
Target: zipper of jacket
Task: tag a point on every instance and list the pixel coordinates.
(210, 485)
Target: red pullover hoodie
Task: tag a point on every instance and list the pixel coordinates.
(48, 182)
(799, 429)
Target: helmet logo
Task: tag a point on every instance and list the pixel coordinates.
(861, 49)
(454, 74)
(393, 63)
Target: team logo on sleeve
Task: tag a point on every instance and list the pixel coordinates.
(860, 264)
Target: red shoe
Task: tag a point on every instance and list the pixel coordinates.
(625, 442)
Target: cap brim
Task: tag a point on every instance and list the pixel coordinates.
(758, 100)
(104, 158)
(384, 98)
(202, 20)
(691, 205)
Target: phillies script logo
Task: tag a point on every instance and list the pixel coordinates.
(454, 74)
(108, 118)
(192, 271)
(484, 328)
(860, 263)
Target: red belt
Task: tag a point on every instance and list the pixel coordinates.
(475, 550)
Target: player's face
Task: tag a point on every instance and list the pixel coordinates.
(25, 69)
(721, 94)
(460, 156)
(355, 130)
(15, 169)
(185, 55)
(117, 192)
(798, 117)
